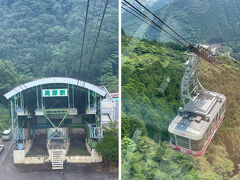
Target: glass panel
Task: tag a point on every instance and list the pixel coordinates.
(183, 142)
(215, 121)
(209, 130)
(172, 139)
(197, 145)
(207, 133)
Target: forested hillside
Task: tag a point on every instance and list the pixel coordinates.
(136, 27)
(130, 23)
(7, 81)
(44, 38)
(205, 21)
(151, 77)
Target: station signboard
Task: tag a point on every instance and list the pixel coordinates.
(54, 92)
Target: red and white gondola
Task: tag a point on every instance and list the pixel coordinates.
(191, 132)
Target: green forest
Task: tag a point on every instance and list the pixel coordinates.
(205, 21)
(7, 81)
(151, 78)
(44, 39)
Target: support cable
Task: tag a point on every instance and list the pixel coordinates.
(190, 46)
(139, 18)
(91, 24)
(83, 38)
(149, 23)
(100, 9)
(15, 78)
(163, 22)
(99, 16)
(155, 24)
(95, 44)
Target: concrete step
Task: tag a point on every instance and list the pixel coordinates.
(57, 159)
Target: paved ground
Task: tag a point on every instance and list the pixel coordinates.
(9, 171)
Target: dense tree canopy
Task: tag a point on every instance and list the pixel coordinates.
(205, 22)
(151, 78)
(44, 38)
(197, 21)
(108, 147)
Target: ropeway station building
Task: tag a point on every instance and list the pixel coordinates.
(59, 119)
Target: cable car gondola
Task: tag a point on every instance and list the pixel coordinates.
(203, 111)
(191, 132)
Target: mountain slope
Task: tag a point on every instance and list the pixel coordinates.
(151, 78)
(199, 21)
(206, 20)
(44, 38)
(131, 23)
